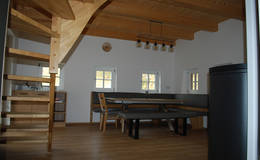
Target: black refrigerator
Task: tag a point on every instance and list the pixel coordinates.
(227, 117)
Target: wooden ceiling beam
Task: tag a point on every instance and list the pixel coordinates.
(216, 7)
(20, 21)
(101, 32)
(70, 31)
(141, 27)
(159, 12)
(59, 8)
(86, 1)
(144, 20)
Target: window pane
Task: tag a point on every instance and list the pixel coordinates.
(45, 72)
(197, 85)
(152, 77)
(45, 84)
(99, 83)
(57, 81)
(193, 77)
(144, 85)
(108, 75)
(193, 85)
(107, 84)
(197, 77)
(144, 77)
(99, 74)
(152, 86)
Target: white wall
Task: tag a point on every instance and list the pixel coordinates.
(23, 67)
(207, 50)
(79, 71)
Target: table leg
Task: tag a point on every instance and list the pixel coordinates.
(130, 129)
(136, 129)
(176, 126)
(184, 127)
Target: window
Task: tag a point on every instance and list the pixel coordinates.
(46, 74)
(195, 81)
(105, 79)
(150, 81)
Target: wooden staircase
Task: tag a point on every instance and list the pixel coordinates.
(69, 19)
(29, 133)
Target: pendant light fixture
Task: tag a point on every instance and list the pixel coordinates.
(163, 47)
(155, 46)
(171, 48)
(138, 43)
(147, 45)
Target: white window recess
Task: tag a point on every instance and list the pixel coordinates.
(151, 82)
(105, 79)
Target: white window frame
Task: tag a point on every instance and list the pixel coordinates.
(157, 82)
(114, 79)
(191, 81)
(57, 77)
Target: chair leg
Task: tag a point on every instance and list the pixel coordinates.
(123, 125)
(105, 123)
(116, 123)
(101, 123)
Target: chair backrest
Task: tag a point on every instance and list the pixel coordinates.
(102, 101)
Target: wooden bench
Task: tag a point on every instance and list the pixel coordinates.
(193, 102)
(176, 114)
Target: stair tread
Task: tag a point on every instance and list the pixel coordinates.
(26, 115)
(24, 134)
(20, 98)
(27, 78)
(29, 25)
(15, 141)
(26, 126)
(27, 130)
(28, 54)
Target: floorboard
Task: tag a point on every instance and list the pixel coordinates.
(88, 143)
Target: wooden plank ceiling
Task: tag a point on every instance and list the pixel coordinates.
(137, 19)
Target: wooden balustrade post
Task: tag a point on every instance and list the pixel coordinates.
(51, 109)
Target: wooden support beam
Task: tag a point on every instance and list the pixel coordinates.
(70, 30)
(216, 7)
(21, 21)
(59, 8)
(51, 109)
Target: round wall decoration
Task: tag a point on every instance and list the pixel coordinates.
(106, 47)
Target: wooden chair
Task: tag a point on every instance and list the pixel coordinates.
(105, 114)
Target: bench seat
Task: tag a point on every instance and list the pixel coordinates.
(160, 115)
(173, 114)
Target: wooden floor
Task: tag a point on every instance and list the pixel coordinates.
(87, 143)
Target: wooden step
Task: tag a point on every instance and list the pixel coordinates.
(24, 134)
(27, 130)
(21, 22)
(26, 141)
(27, 99)
(23, 140)
(25, 126)
(25, 115)
(28, 54)
(26, 78)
